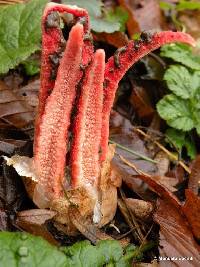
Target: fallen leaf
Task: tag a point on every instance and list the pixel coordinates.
(12, 195)
(191, 21)
(132, 23)
(141, 102)
(140, 208)
(116, 39)
(176, 239)
(34, 221)
(13, 79)
(123, 134)
(14, 110)
(87, 227)
(143, 15)
(12, 190)
(163, 163)
(194, 179)
(29, 93)
(191, 210)
(8, 146)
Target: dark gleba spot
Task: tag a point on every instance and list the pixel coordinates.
(137, 44)
(117, 54)
(146, 36)
(54, 58)
(53, 20)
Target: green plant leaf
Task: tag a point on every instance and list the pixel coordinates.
(182, 82)
(181, 54)
(189, 5)
(104, 25)
(31, 66)
(180, 139)
(166, 6)
(93, 7)
(176, 111)
(99, 20)
(22, 249)
(118, 15)
(84, 254)
(20, 32)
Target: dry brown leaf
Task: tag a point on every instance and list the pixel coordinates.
(140, 208)
(191, 21)
(14, 110)
(191, 210)
(87, 227)
(140, 100)
(194, 180)
(7, 146)
(176, 239)
(29, 93)
(163, 163)
(117, 39)
(33, 221)
(143, 15)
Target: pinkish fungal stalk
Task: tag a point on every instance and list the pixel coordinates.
(124, 58)
(52, 141)
(52, 47)
(85, 168)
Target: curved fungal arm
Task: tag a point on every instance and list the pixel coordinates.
(124, 58)
(49, 157)
(53, 45)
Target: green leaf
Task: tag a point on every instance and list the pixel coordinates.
(84, 254)
(20, 249)
(176, 111)
(181, 82)
(191, 148)
(103, 25)
(118, 15)
(31, 67)
(181, 54)
(93, 7)
(166, 6)
(176, 137)
(99, 21)
(181, 139)
(20, 32)
(189, 5)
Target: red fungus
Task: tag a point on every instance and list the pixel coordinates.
(85, 168)
(124, 58)
(80, 68)
(50, 155)
(52, 41)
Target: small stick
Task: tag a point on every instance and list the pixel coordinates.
(170, 155)
(133, 152)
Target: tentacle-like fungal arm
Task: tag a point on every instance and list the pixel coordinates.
(53, 45)
(52, 141)
(84, 158)
(124, 58)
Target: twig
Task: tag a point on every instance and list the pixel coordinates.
(170, 154)
(133, 152)
(132, 165)
(133, 219)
